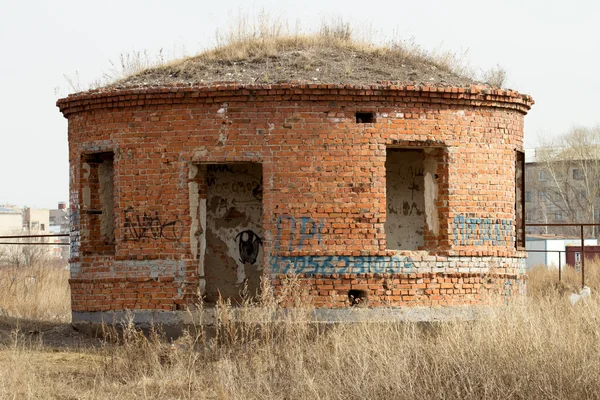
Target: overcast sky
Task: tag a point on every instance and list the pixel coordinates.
(551, 50)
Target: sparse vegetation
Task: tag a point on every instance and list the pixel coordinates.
(33, 284)
(265, 50)
(495, 76)
(248, 52)
(39, 292)
(543, 348)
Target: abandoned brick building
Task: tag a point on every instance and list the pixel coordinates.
(395, 194)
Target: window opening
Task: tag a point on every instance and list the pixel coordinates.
(97, 216)
(365, 117)
(520, 199)
(542, 176)
(405, 199)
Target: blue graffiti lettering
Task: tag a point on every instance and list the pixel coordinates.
(482, 231)
(309, 229)
(310, 265)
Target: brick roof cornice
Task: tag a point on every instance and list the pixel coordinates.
(134, 96)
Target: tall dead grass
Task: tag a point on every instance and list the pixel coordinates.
(544, 348)
(265, 36)
(544, 282)
(38, 292)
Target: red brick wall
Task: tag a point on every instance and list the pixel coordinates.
(320, 168)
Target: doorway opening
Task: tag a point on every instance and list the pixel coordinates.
(233, 260)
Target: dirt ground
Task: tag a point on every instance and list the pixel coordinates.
(52, 335)
(53, 350)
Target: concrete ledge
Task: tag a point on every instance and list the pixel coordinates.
(173, 323)
(406, 314)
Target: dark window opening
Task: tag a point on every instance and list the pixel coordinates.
(520, 200)
(365, 117)
(97, 204)
(558, 216)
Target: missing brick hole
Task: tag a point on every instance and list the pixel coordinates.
(365, 117)
(358, 297)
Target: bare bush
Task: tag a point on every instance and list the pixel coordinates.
(564, 181)
(495, 76)
(20, 254)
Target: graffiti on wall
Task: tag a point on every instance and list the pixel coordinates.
(290, 237)
(482, 231)
(254, 187)
(148, 225)
(310, 265)
(411, 172)
(294, 233)
(74, 236)
(244, 183)
(248, 245)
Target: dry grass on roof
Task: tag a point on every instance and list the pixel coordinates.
(269, 54)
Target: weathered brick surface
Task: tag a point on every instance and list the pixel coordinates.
(410, 290)
(320, 169)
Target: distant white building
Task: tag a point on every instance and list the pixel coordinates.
(59, 219)
(11, 220)
(59, 223)
(551, 251)
(31, 221)
(36, 221)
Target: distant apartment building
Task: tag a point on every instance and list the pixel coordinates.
(562, 187)
(36, 221)
(59, 224)
(59, 219)
(31, 221)
(11, 220)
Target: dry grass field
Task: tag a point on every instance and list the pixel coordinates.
(544, 348)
